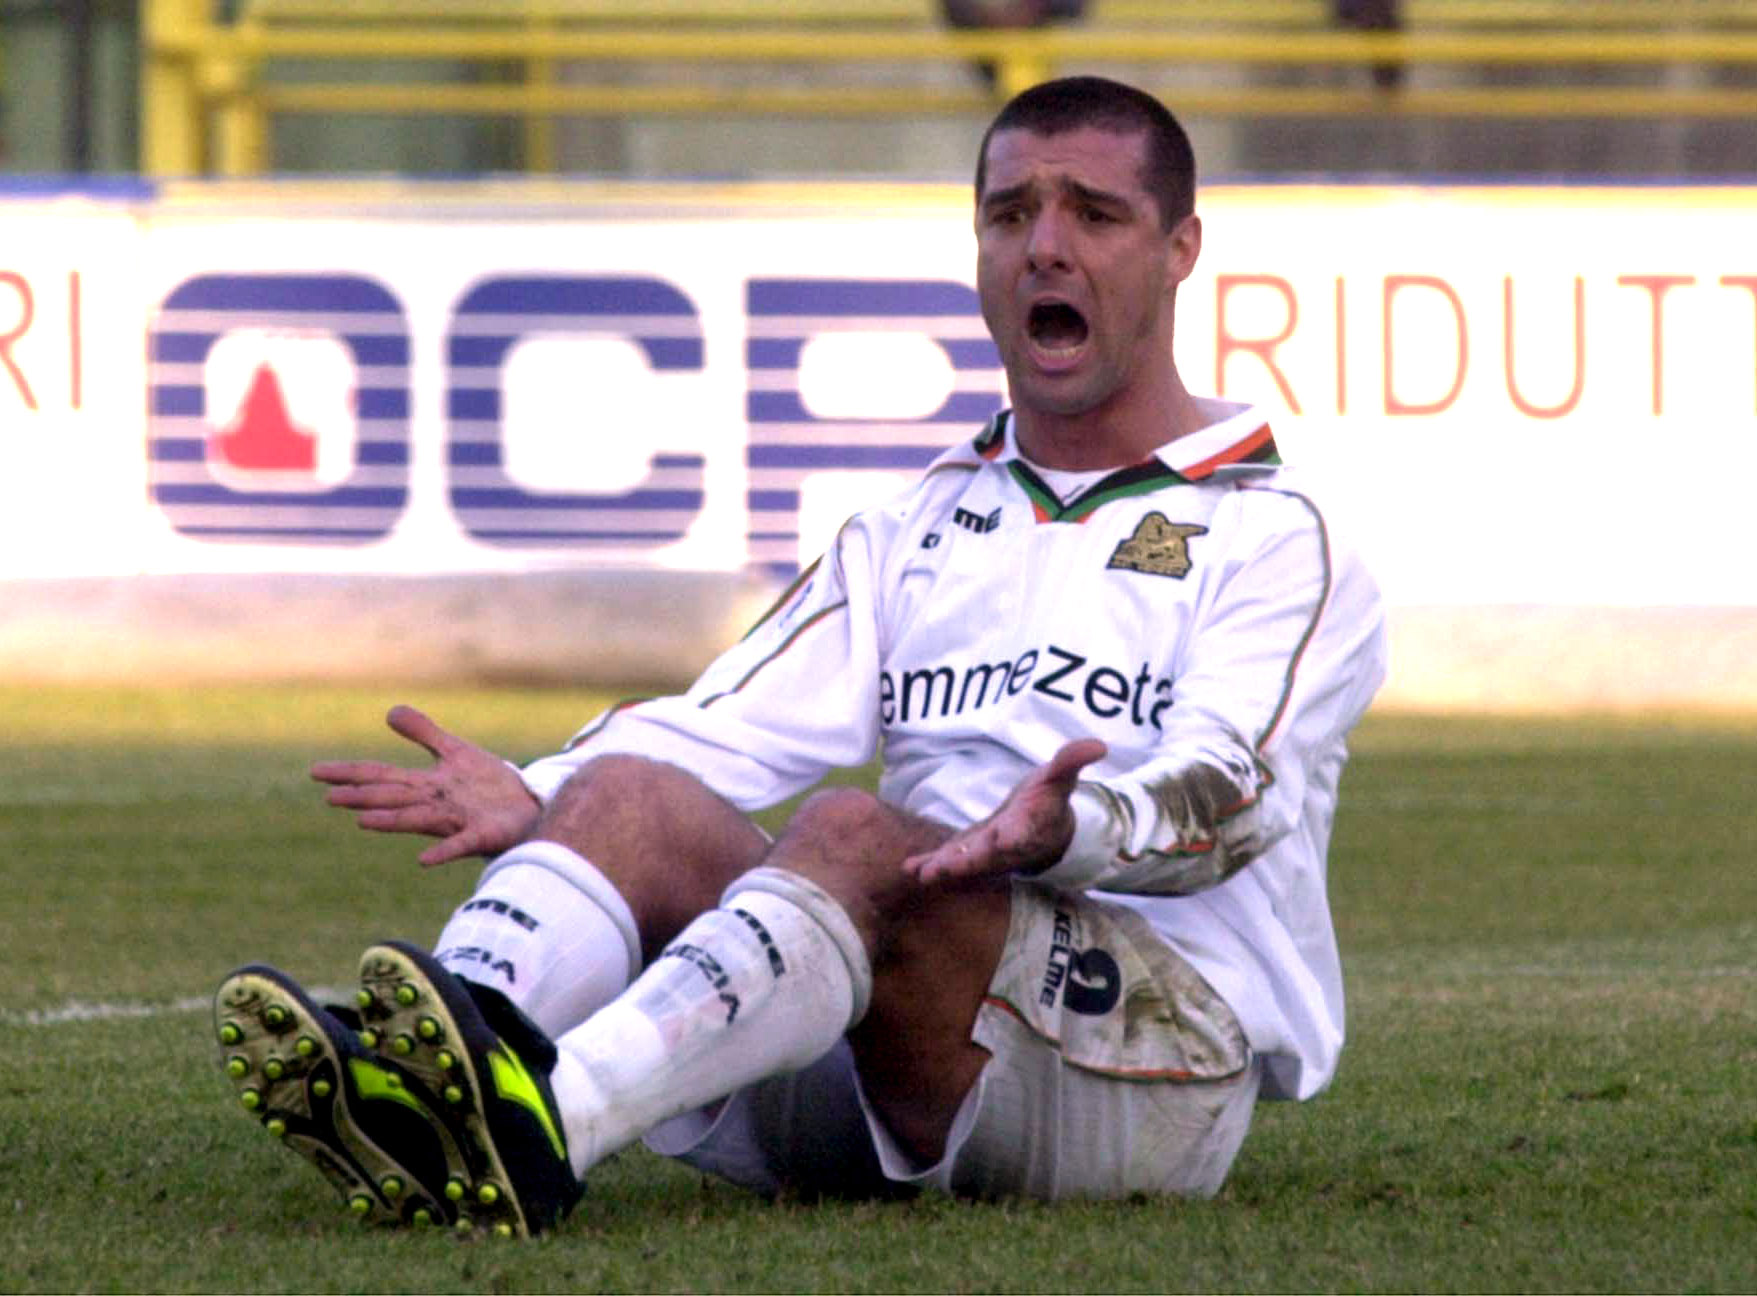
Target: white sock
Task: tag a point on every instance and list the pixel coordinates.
(761, 986)
(547, 930)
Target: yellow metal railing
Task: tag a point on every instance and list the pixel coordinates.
(207, 100)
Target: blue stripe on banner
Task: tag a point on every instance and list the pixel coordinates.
(488, 351)
(487, 454)
(318, 535)
(571, 295)
(171, 346)
(971, 353)
(382, 403)
(499, 497)
(194, 450)
(175, 450)
(180, 400)
(784, 353)
(176, 401)
(473, 454)
(98, 188)
(377, 349)
(179, 348)
(840, 456)
(972, 408)
(477, 350)
(195, 494)
(773, 353)
(317, 293)
(382, 453)
(673, 353)
(576, 537)
(771, 297)
(773, 501)
(473, 404)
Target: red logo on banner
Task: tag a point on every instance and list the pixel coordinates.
(263, 436)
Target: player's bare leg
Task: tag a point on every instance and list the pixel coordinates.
(933, 953)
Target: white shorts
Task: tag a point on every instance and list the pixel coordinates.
(1115, 1070)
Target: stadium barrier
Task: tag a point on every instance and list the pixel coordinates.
(210, 88)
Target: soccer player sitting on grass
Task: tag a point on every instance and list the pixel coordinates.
(1109, 650)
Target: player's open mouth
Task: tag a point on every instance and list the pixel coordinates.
(1056, 329)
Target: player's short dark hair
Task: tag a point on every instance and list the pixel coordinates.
(1070, 103)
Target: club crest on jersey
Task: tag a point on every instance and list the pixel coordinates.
(1159, 547)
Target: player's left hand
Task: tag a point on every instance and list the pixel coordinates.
(1031, 829)
(471, 800)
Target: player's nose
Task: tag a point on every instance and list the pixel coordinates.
(1046, 241)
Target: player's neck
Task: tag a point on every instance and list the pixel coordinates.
(1114, 435)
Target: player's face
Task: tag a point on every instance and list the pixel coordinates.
(1076, 274)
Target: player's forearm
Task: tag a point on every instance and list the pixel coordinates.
(1171, 832)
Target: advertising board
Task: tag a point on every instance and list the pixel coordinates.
(1509, 396)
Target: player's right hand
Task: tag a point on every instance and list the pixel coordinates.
(1028, 832)
(474, 802)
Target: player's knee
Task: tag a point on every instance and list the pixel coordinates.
(847, 822)
(851, 843)
(835, 809)
(626, 805)
(610, 779)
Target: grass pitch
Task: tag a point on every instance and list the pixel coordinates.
(1548, 928)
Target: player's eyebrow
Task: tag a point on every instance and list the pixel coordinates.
(1085, 193)
(1005, 197)
(1097, 197)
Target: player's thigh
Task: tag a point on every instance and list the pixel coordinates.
(932, 950)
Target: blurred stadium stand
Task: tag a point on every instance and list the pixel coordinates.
(812, 87)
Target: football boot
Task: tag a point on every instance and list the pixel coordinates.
(489, 1065)
(301, 1072)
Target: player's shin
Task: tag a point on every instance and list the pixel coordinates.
(547, 930)
(763, 985)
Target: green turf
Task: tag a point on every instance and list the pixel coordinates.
(1548, 928)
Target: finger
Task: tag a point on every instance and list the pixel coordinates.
(965, 855)
(354, 772)
(419, 728)
(920, 866)
(442, 853)
(458, 846)
(375, 796)
(423, 820)
(1066, 764)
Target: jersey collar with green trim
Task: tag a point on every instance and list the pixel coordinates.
(1240, 435)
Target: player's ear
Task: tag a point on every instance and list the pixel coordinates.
(1183, 246)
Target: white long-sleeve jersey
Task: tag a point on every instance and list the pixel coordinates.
(1193, 611)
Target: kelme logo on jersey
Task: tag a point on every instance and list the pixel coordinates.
(1159, 547)
(1095, 983)
(1089, 980)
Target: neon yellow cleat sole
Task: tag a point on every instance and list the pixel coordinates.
(489, 1066)
(303, 1075)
